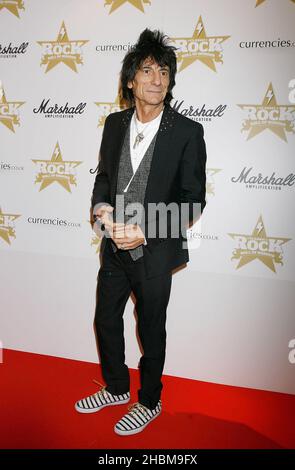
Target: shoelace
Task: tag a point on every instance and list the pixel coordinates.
(137, 408)
(102, 391)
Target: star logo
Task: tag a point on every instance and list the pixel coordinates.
(259, 2)
(56, 170)
(269, 115)
(96, 242)
(62, 50)
(12, 5)
(9, 110)
(7, 230)
(106, 108)
(258, 246)
(210, 180)
(206, 49)
(118, 3)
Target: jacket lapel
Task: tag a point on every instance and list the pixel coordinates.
(161, 156)
(161, 153)
(118, 144)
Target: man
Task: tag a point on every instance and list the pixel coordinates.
(150, 154)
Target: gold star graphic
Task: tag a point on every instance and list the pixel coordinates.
(269, 115)
(62, 51)
(259, 2)
(206, 49)
(118, 3)
(109, 107)
(8, 110)
(259, 246)
(56, 170)
(12, 5)
(6, 226)
(210, 180)
(96, 242)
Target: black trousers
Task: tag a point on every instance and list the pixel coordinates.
(118, 276)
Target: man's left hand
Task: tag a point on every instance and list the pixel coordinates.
(127, 236)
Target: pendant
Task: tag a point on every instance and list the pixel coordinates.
(138, 139)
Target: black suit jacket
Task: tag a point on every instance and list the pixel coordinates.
(177, 174)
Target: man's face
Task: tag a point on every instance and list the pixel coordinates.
(150, 83)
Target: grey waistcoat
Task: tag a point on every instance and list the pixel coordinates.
(136, 189)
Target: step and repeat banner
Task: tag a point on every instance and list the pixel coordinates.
(231, 315)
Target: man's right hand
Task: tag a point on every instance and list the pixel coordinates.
(103, 213)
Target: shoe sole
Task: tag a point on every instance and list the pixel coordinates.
(120, 432)
(95, 410)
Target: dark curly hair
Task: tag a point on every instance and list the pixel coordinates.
(150, 44)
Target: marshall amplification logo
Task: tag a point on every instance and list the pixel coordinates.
(254, 180)
(258, 246)
(269, 115)
(12, 5)
(9, 110)
(10, 50)
(7, 230)
(207, 49)
(54, 110)
(199, 113)
(56, 170)
(62, 50)
(259, 2)
(106, 108)
(117, 3)
(210, 180)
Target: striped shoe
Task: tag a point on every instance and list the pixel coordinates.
(100, 400)
(138, 417)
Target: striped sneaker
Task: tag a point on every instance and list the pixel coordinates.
(137, 419)
(100, 400)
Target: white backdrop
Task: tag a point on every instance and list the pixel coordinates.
(231, 313)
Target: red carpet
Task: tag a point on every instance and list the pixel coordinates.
(37, 411)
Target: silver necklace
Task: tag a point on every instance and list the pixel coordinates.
(140, 135)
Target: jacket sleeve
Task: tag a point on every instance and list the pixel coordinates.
(193, 174)
(101, 189)
(192, 187)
